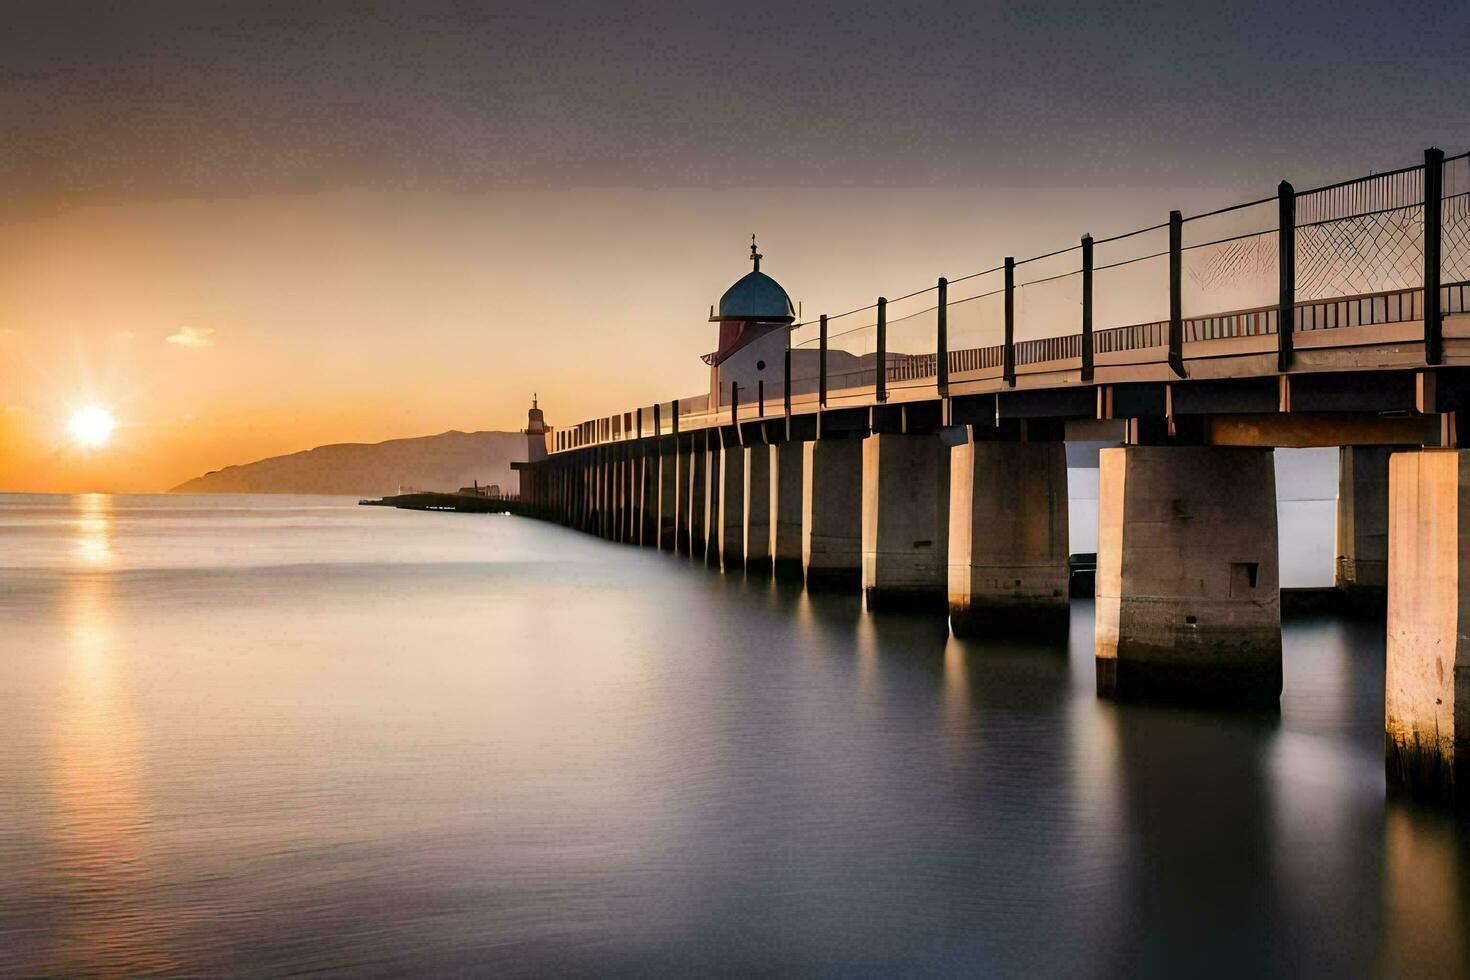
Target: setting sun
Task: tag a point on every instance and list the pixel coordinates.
(92, 426)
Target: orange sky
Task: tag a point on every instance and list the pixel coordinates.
(220, 331)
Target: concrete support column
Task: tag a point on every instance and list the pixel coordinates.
(588, 491)
(632, 486)
(832, 514)
(1008, 538)
(905, 527)
(1427, 681)
(619, 492)
(756, 521)
(579, 492)
(585, 486)
(1362, 521)
(609, 493)
(599, 491)
(731, 545)
(628, 484)
(1188, 597)
(788, 463)
(712, 460)
(668, 494)
(648, 495)
(694, 542)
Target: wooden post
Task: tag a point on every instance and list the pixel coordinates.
(1286, 261)
(822, 366)
(657, 422)
(760, 398)
(880, 387)
(941, 345)
(674, 412)
(1086, 307)
(1176, 293)
(1008, 351)
(734, 403)
(1433, 191)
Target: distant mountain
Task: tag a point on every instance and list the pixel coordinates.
(447, 461)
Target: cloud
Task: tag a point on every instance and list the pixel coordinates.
(192, 337)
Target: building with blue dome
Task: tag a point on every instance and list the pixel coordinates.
(755, 316)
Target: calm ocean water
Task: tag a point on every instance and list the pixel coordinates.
(288, 734)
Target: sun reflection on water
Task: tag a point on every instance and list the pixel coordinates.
(95, 765)
(93, 528)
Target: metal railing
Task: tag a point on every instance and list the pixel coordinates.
(1358, 252)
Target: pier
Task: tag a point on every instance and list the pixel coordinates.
(913, 449)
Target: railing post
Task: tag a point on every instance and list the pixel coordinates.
(674, 411)
(822, 365)
(1286, 260)
(1176, 293)
(1086, 307)
(760, 398)
(639, 436)
(734, 403)
(941, 345)
(786, 379)
(1008, 351)
(1433, 191)
(880, 387)
(657, 422)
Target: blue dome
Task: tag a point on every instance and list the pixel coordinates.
(756, 296)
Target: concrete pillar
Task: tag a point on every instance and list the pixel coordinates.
(1008, 538)
(787, 466)
(581, 476)
(732, 508)
(1188, 596)
(648, 495)
(632, 482)
(592, 507)
(905, 528)
(694, 541)
(1362, 521)
(625, 499)
(832, 514)
(558, 492)
(599, 491)
(668, 494)
(588, 490)
(609, 493)
(584, 485)
(756, 521)
(714, 457)
(1427, 681)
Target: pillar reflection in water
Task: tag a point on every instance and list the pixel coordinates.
(1425, 894)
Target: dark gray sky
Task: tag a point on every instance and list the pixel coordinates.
(139, 98)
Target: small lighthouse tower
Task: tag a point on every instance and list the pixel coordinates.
(535, 430)
(755, 317)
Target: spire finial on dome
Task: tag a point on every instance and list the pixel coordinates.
(755, 257)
